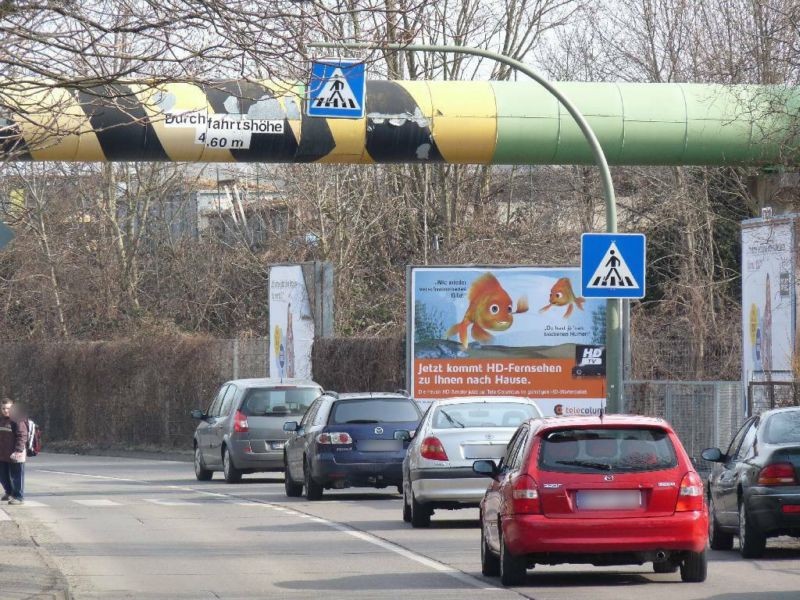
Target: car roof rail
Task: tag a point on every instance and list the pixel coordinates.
(402, 391)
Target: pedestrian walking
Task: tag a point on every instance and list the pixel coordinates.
(13, 435)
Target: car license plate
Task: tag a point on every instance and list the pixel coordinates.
(484, 451)
(608, 499)
(277, 445)
(379, 445)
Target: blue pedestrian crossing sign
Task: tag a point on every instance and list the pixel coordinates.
(612, 265)
(336, 89)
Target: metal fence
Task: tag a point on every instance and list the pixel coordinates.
(703, 413)
(241, 358)
(764, 395)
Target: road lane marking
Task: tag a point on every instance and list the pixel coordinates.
(97, 502)
(161, 502)
(346, 529)
(4, 515)
(409, 554)
(201, 492)
(92, 476)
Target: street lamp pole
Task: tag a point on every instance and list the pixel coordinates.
(613, 332)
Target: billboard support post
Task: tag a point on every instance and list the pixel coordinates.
(613, 330)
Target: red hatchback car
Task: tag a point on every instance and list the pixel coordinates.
(604, 491)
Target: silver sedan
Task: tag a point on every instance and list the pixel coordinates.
(454, 433)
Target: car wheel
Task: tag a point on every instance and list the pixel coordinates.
(512, 568)
(665, 566)
(232, 474)
(293, 490)
(694, 567)
(420, 513)
(406, 509)
(717, 539)
(313, 489)
(200, 470)
(490, 564)
(751, 541)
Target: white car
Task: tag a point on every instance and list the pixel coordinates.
(454, 433)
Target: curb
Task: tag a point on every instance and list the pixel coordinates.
(28, 571)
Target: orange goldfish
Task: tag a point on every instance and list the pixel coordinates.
(561, 294)
(489, 308)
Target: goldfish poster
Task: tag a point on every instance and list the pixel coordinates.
(512, 331)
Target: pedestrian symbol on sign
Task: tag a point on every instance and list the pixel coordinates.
(337, 89)
(613, 272)
(613, 265)
(337, 93)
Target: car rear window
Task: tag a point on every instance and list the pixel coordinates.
(374, 410)
(783, 428)
(607, 449)
(483, 414)
(279, 402)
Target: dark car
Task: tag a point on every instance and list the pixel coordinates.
(242, 429)
(604, 491)
(754, 488)
(346, 440)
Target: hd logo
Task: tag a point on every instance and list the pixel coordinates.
(589, 361)
(592, 356)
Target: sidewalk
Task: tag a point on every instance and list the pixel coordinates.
(25, 569)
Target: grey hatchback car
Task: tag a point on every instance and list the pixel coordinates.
(242, 430)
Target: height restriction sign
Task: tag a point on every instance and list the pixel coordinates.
(336, 89)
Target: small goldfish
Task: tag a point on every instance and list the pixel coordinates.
(490, 307)
(561, 294)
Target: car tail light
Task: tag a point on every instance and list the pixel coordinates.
(690, 495)
(777, 474)
(791, 509)
(335, 438)
(240, 424)
(432, 449)
(525, 496)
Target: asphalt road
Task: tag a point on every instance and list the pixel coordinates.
(145, 529)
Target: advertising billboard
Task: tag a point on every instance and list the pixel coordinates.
(768, 299)
(520, 331)
(291, 324)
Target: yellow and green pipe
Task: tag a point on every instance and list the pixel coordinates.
(459, 122)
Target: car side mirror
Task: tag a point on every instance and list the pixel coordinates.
(402, 434)
(290, 426)
(713, 455)
(198, 414)
(486, 468)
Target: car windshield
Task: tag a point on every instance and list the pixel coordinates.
(279, 401)
(783, 428)
(483, 414)
(374, 410)
(616, 450)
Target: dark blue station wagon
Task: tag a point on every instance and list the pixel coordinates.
(349, 440)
